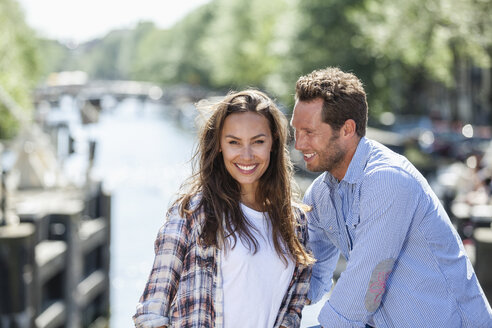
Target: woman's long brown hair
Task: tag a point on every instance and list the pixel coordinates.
(221, 194)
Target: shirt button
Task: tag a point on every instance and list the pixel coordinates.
(331, 228)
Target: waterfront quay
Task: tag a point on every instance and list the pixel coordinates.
(79, 224)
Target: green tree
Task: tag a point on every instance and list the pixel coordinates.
(244, 42)
(176, 55)
(19, 66)
(53, 56)
(100, 57)
(326, 36)
(429, 41)
(111, 57)
(151, 53)
(429, 34)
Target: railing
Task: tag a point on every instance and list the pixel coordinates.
(55, 263)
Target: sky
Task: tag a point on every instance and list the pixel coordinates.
(78, 21)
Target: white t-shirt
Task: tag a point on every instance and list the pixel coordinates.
(254, 284)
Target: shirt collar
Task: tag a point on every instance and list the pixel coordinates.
(358, 162)
(356, 166)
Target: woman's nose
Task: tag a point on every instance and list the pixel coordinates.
(247, 152)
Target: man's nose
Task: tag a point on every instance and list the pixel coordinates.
(298, 142)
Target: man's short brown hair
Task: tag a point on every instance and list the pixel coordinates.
(342, 93)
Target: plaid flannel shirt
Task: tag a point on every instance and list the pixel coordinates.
(185, 285)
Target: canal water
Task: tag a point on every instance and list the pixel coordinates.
(143, 157)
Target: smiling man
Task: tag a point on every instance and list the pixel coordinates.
(406, 266)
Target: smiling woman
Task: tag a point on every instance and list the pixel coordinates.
(231, 252)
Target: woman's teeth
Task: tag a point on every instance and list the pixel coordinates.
(246, 167)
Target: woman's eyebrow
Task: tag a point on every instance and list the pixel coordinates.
(234, 137)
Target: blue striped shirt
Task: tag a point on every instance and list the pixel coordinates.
(406, 265)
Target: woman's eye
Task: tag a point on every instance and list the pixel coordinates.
(259, 141)
(233, 142)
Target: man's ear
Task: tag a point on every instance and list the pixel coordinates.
(349, 128)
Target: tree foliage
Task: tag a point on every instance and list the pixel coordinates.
(429, 35)
(176, 56)
(19, 63)
(327, 37)
(244, 42)
(425, 42)
(53, 56)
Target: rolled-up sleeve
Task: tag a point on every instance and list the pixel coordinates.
(388, 201)
(170, 249)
